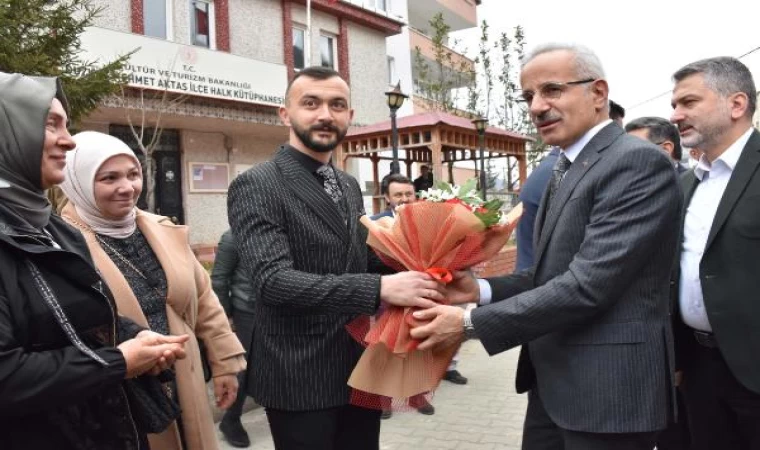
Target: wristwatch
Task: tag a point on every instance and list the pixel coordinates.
(469, 328)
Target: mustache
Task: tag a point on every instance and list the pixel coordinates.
(545, 118)
(324, 127)
(683, 125)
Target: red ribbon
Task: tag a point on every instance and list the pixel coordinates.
(441, 274)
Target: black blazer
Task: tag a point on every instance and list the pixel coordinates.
(729, 271)
(308, 269)
(594, 308)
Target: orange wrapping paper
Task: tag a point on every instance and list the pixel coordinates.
(424, 236)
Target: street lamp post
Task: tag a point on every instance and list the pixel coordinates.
(481, 124)
(395, 100)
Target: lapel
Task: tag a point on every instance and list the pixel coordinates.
(585, 160)
(745, 168)
(352, 217)
(306, 187)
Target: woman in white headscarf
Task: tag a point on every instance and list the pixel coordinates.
(147, 263)
(64, 352)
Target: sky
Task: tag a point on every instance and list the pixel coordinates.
(641, 44)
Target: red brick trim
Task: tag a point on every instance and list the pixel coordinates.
(357, 14)
(222, 24)
(343, 61)
(287, 37)
(136, 15)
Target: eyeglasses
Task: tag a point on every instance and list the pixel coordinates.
(551, 90)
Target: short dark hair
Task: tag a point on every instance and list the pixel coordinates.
(393, 178)
(314, 72)
(724, 75)
(658, 131)
(616, 111)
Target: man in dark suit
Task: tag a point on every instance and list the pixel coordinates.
(295, 220)
(660, 132)
(592, 313)
(717, 275)
(425, 180)
(398, 190)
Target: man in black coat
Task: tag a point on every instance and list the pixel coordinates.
(295, 219)
(230, 282)
(717, 276)
(660, 132)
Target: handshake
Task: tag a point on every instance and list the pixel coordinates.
(443, 324)
(150, 352)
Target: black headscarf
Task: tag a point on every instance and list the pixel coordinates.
(24, 106)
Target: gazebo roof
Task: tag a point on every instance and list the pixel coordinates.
(431, 119)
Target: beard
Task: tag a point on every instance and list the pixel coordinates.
(709, 131)
(304, 134)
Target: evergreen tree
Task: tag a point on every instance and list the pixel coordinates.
(42, 37)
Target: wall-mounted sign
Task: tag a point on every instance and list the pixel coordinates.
(185, 69)
(209, 177)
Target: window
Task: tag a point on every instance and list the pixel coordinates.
(381, 5)
(327, 51)
(299, 37)
(392, 77)
(157, 18)
(202, 23)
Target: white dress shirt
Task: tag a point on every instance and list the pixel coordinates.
(700, 214)
(571, 152)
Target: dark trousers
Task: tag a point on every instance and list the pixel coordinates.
(343, 428)
(541, 433)
(676, 436)
(244, 330)
(723, 414)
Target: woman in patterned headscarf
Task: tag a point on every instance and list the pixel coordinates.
(147, 263)
(64, 353)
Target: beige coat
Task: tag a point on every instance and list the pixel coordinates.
(192, 308)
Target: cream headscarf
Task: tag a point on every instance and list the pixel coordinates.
(82, 164)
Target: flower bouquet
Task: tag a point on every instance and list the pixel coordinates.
(450, 228)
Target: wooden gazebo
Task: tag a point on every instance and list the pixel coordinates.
(434, 138)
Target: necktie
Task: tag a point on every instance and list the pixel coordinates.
(332, 188)
(560, 167)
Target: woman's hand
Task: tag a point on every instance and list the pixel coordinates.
(151, 352)
(225, 390)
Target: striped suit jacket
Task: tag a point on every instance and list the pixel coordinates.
(593, 311)
(308, 272)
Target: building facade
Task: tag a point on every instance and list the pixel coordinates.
(212, 75)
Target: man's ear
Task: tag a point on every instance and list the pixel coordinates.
(668, 147)
(738, 103)
(284, 116)
(601, 91)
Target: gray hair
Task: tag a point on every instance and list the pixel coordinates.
(724, 75)
(587, 64)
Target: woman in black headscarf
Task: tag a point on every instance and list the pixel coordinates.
(64, 352)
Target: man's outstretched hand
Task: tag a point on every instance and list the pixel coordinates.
(445, 329)
(417, 289)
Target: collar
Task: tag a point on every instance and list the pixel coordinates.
(307, 162)
(729, 157)
(572, 151)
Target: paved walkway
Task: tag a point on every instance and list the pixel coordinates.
(485, 414)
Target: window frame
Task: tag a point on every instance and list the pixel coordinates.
(211, 23)
(302, 30)
(334, 47)
(168, 26)
(391, 68)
